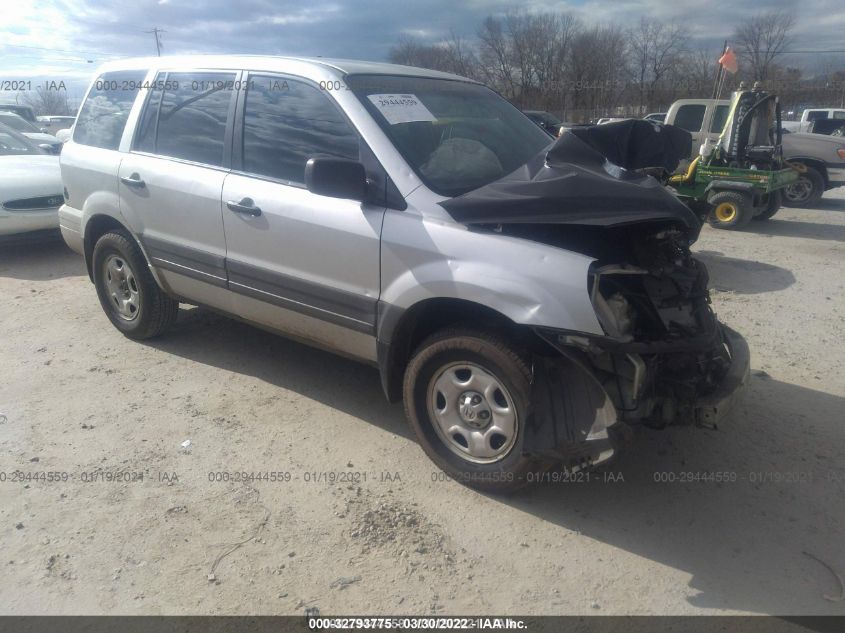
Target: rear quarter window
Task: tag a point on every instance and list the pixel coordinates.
(103, 115)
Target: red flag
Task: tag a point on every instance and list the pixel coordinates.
(728, 61)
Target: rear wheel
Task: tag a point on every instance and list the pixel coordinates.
(127, 291)
(730, 210)
(772, 206)
(806, 192)
(467, 397)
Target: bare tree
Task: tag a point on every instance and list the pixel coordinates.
(496, 54)
(761, 39)
(655, 49)
(46, 102)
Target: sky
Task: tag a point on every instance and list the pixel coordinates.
(53, 40)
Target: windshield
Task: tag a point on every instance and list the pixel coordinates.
(17, 123)
(13, 143)
(456, 136)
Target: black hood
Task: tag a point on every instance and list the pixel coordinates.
(584, 178)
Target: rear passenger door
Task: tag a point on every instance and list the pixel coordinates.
(302, 263)
(170, 182)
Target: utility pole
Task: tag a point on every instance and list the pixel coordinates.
(156, 31)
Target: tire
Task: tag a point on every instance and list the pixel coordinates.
(128, 294)
(730, 210)
(475, 454)
(806, 192)
(771, 207)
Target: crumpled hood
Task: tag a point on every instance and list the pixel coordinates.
(29, 176)
(572, 182)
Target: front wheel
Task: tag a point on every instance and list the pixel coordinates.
(730, 210)
(127, 291)
(467, 397)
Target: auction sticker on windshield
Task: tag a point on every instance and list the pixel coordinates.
(401, 108)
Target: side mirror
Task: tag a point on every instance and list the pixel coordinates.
(336, 178)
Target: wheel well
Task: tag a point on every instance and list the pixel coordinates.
(96, 227)
(815, 164)
(401, 332)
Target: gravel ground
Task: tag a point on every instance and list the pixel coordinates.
(382, 532)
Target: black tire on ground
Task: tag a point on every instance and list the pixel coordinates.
(771, 207)
(429, 369)
(730, 210)
(806, 192)
(147, 311)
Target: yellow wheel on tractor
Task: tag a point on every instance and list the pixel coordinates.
(730, 210)
(726, 212)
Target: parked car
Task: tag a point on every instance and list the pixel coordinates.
(53, 124)
(818, 121)
(34, 134)
(360, 214)
(30, 186)
(658, 117)
(546, 120)
(822, 156)
(23, 111)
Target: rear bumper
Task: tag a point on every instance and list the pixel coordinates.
(711, 409)
(70, 224)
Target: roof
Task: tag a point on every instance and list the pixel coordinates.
(279, 63)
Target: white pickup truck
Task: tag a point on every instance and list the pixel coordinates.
(832, 118)
(823, 156)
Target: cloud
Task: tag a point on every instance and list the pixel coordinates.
(77, 31)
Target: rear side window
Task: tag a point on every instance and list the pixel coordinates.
(103, 115)
(690, 117)
(815, 115)
(287, 122)
(191, 122)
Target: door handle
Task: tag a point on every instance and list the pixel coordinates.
(133, 181)
(245, 206)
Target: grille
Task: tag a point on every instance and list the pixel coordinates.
(30, 204)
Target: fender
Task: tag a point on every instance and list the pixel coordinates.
(528, 282)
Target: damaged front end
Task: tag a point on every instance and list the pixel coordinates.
(665, 358)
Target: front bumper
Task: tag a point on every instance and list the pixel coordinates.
(14, 222)
(836, 175)
(576, 423)
(711, 409)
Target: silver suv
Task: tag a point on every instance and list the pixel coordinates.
(352, 205)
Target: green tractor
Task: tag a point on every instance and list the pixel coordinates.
(740, 176)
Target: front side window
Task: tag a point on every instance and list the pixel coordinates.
(815, 115)
(286, 122)
(192, 116)
(456, 136)
(690, 117)
(103, 115)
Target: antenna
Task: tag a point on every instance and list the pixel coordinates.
(156, 32)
